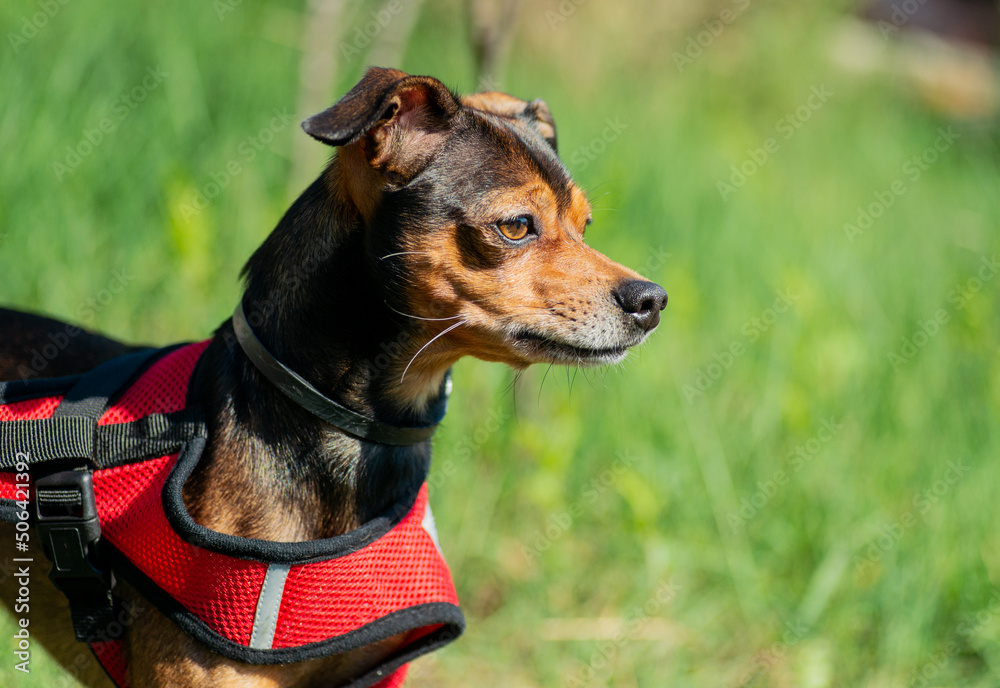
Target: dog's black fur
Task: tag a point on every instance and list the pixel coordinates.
(332, 288)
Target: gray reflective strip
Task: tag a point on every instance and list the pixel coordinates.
(265, 621)
(431, 527)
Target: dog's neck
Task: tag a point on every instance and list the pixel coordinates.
(314, 300)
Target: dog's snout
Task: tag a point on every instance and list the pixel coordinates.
(643, 301)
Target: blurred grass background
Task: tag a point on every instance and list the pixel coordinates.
(649, 525)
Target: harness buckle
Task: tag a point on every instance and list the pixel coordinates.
(69, 529)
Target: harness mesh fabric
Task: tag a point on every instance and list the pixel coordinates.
(162, 389)
(29, 409)
(397, 582)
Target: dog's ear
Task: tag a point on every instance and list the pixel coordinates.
(398, 120)
(535, 114)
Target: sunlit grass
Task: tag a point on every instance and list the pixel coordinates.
(798, 580)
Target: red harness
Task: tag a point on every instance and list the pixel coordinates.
(252, 601)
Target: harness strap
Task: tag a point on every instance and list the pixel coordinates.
(72, 431)
(65, 505)
(249, 600)
(89, 397)
(44, 440)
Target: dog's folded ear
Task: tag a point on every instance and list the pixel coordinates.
(399, 120)
(535, 114)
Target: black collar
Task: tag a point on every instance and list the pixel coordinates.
(321, 406)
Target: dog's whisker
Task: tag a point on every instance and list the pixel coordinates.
(405, 253)
(435, 338)
(511, 389)
(590, 189)
(417, 317)
(517, 378)
(547, 370)
(521, 301)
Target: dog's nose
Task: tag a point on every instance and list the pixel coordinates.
(643, 301)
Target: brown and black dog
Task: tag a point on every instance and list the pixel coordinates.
(445, 226)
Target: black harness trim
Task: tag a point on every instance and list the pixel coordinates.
(265, 551)
(21, 390)
(63, 450)
(401, 621)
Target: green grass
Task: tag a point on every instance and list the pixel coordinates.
(511, 463)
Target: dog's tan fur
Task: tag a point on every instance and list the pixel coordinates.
(561, 286)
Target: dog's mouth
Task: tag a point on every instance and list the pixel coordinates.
(544, 348)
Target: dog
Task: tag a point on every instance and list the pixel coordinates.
(445, 226)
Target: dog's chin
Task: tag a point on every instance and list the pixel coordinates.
(540, 348)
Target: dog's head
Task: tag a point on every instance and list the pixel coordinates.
(477, 225)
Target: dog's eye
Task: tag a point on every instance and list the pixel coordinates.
(517, 228)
